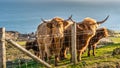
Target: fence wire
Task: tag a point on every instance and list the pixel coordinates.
(17, 59)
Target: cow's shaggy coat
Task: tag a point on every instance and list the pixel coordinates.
(50, 37)
(85, 31)
(100, 33)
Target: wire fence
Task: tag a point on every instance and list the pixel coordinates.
(17, 59)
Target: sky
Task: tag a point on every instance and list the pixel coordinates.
(25, 13)
(60, 0)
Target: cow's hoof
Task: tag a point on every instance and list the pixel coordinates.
(56, 64)
(79, 60)
(63, 58)
(88, 55)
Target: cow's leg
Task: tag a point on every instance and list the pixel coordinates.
(63, 50)
(56, 60)
(35, 53)
(65, 56)
(45, 57)
(48, 54)
(43, 54)
(48, 57)
(94, 50)
(63, 53)
(79, 55)
(70, 53)
(89, 48)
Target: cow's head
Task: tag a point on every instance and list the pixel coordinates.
(90, 24)
(68, 22)
(48, 23)
(102, 32)
(58, 22)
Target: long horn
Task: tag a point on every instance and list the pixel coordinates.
(70, 18)
(100, 22)
(43, 20)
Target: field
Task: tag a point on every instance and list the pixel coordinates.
(103, 58)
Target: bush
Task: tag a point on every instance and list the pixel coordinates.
(116, 51)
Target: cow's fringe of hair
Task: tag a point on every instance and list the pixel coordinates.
(89, 19)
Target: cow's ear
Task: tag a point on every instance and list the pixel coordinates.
(49, 25)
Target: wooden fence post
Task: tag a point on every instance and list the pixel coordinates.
(2, 48)
(28, 53)
(73, 36)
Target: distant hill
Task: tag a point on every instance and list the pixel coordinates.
(15, 35)
(113, 33)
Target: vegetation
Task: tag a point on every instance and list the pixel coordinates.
(115, 39)
(103, 59)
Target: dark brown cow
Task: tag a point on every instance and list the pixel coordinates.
(85, 31)
(50, 37)
(100, 33)
(34, 46)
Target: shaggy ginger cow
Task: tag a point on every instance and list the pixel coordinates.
(50, 37)
(85, 31)
(100, 33)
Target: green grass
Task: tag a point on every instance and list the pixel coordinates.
(115, 40)
(103, 58)
(103, 55)
(21, 42)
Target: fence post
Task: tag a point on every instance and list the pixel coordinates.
(2, 48)
(73, 36)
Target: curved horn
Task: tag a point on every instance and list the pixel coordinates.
(100, 22)
(79, 27)
(70, 18)
(43, 20)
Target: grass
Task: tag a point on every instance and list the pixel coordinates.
(21, 42)
(102, 59)
(115, 39)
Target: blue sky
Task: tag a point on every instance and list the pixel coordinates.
(60, 0)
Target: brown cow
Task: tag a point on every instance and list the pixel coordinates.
(50, 37)
(100, 33)
(34, 46)
(85, 31)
